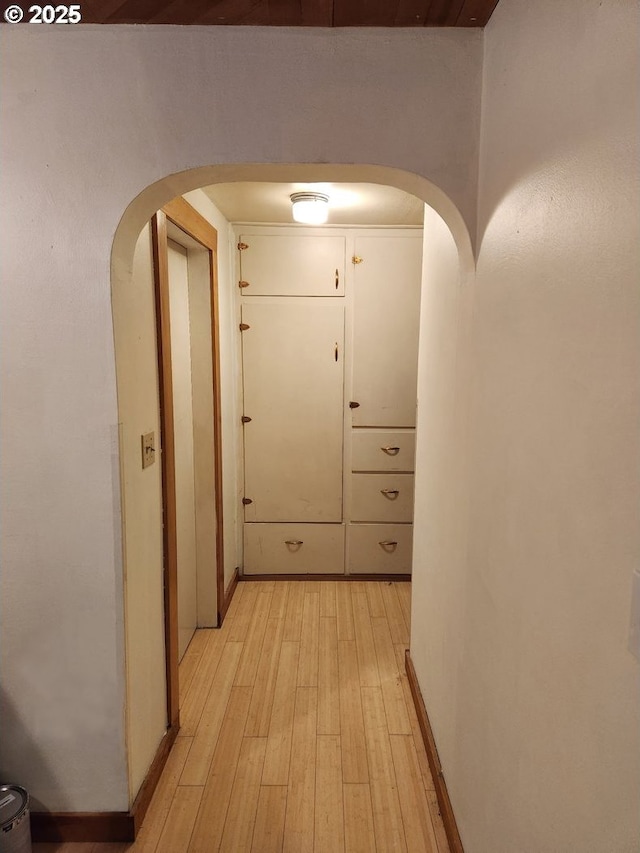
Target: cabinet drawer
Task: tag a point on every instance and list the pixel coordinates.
(382, 497)
(380, 548)
(380, 450)
(286, 549)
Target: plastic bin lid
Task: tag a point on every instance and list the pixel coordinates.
(13, 802)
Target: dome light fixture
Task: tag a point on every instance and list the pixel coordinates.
(310, 208)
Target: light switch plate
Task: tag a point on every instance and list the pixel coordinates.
(148, 449)
(634, 628)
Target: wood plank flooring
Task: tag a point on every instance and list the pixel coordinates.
(298, 734)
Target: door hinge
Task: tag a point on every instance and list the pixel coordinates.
(247, 501)
(356, 259)
(242, 246)
(244, 327)
(245, 419)
(243, 284)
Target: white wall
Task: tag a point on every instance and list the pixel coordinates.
(137, 369)
(521, 644)
(440, 565)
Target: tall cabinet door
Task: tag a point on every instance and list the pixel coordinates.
(293, 394)
(385, 333)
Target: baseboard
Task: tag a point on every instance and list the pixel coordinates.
(233, 583)
(105, 826)
(148, 787)
(369, 577)
(82, 826)
(444, 803)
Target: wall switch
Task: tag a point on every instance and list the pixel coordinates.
(148, 449)
(634, 628)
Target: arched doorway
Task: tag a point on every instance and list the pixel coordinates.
(145, 654)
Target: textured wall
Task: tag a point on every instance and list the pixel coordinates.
(522, 653)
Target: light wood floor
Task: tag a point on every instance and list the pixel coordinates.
(298, 731)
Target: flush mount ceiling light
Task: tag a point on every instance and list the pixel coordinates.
(310, 208)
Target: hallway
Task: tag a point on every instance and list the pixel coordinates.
(298, 731)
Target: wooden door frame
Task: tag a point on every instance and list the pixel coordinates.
(185, 217)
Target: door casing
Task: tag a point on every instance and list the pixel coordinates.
(185, 217)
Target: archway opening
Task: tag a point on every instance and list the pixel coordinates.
(134, 330)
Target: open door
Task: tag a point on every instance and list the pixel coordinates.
(185, 270)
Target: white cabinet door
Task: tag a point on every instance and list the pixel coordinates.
(386, 322)
(293, 393)
(292, 265)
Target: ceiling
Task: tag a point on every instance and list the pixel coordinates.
(349, 204)
(292, 13)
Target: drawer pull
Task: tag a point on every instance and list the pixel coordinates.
(293, 542)
(391, 451)
(388, 543)
(390, 493)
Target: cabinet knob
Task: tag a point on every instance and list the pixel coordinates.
(353, 405)
(391, 451)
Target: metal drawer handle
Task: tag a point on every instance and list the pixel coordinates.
(390, 493)
(388, 543)
(392, 451)
(293, 542)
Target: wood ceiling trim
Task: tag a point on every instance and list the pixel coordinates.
(237, 13)
(317, 13)
(363, 13)
(411, 13)
(176, 12)
(304, 13)
(475, 11)
(443, 13)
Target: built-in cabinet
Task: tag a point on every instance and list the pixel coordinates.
(329, 322)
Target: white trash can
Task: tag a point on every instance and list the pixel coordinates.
(15, 831)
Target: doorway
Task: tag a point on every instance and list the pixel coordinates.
(185, 276)
(143, 620)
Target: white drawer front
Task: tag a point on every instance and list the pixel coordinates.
(380, 548)
(380, 450)
(382, 497)
(286, 549)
